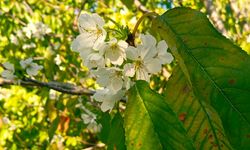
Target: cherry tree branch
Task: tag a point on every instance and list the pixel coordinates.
(57, 86)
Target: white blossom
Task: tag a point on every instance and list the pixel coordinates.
(94, 60)
(110, 78)
(31, 68)
(143, 59)
(37, 30)
(108, 98)
(92, 34)
(162, 55)
(6, 120)
(114, 63)
(115, 51)
(129, 70)
(20, 34)
(9, 71)
(29, 46)
(89, 118)
(14, 39)
(58, 60)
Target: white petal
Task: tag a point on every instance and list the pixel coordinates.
(33, 69)
(94, 60)
(25, 63)
(86, 22)
(147, 52)
(129, 70)
(100, 95)
(148, 40)
(162, 46)
(86, 118)
(7, 74)
(83, 42)
(115, 56)
(85, 53)
(107, 105)
(132, 53)
(142, 74)
(99, 39)
(127, 83)
(122, 44)
(9, 66)
(102, 76)
(116, 84)
(98, 20)
(166, 58)
(109, 99)
(153, 66)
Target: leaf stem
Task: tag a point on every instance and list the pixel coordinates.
(152, 14)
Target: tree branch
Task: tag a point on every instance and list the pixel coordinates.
(57, 86)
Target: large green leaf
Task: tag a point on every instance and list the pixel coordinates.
(150, 124)
(116, 140)
(201, 121)
(217, 70)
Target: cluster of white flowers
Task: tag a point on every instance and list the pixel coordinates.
(114, 63)
(9, 71)
(31, 30)
(89, 118)
(11, 125)
(27, 64)
(37, 30)
(31, 67)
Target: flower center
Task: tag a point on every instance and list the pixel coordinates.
(138, 64)
(98, 32)
(113, 46)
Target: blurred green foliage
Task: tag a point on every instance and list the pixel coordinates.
(40, 118)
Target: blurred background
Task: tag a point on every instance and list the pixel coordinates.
(41, 118)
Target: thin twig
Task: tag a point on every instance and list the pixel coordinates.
(81, 8)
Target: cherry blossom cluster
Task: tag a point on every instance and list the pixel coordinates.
(28, 65)
(113, 62)
(31, 30)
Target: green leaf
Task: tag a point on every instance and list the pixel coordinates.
(116, 140)
(150, 123)
(201, 121)
(128, 3)
(215, 68)
(105, 122)
(53, 127)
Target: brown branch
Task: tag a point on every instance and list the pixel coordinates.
(140, 6)
(214, 16)
(57, 86)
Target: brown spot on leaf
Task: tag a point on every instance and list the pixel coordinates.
(231, 81)
(185, 40)
(205, 131)
(210, 136)
(185, 89)
(139, 144)
(222, 59)
(182, 116)
(205, 43)
(248, 136)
